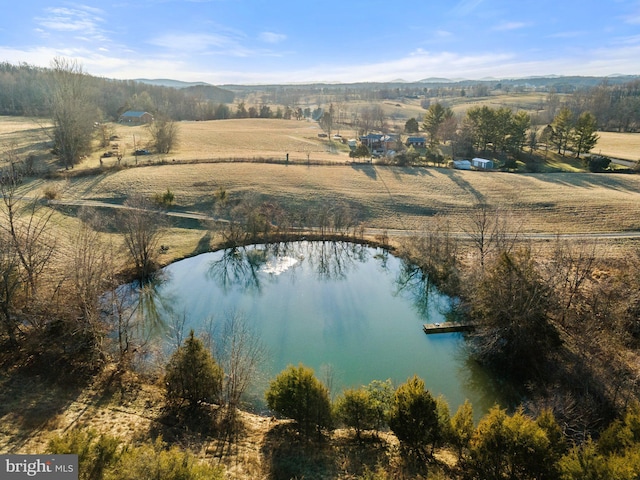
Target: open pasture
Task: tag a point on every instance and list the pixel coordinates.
(391, 197)
(234, 139)
(23, 137)
(383, 197)
(619, 145)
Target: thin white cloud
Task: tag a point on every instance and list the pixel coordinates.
(66, 19)
(79, 19)
(633, 18)
(465, 7)
(192, 42)
(629, 40)
(508, 26)
(567, 34)
(228, 44)
(271, 37)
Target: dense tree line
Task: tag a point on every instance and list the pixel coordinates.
(616, 107)
(28, 90)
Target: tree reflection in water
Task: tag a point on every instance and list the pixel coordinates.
(248, 267)
(238, 266)
(416, 285)
(139, 314)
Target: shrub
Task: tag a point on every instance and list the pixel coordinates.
(164, 200)
(106, 457)
(192, 375)
(514, 446)
(51, 192)
(298, 394)
(597, 163)
(153, 460)
(381, 395)
(356, 409)
(462, 427)
(96, 453)
(414, 416)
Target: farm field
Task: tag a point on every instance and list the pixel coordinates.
(388, 197)
(384, 197)
(619, 145)
(235, 139)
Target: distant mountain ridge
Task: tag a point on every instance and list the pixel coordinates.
(200, 89)
(167, 82)
(559, 82)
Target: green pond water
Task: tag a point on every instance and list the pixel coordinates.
(352, 313)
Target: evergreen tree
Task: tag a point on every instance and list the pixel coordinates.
(414, 417)
(482, 125)
(562, 126)
(511, 447)
(298, 394)
(433, 120)
(462, 427)
(583, 135)
(381, 395)
(411, 126)
(356, 409)
(192, 375)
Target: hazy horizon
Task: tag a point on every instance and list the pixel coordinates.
(257, 42)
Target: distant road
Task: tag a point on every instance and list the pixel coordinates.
(373, 231)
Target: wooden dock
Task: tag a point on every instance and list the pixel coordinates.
(446, 327)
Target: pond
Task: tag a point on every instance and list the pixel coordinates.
(353, 313)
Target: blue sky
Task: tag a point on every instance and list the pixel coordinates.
(276, 41)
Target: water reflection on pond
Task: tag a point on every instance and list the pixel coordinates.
(351, 310)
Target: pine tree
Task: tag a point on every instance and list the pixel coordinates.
(583, 135)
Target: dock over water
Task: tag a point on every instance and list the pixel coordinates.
(447, 327)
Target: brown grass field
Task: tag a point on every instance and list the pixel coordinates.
(391, 198)
(235, 139)
(619, 145)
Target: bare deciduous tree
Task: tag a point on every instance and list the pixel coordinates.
(164, 133)
(72, 112)
(92, 266)
(142, 226)
(241, 352)
(9, 284)
(571, 267)
(489, 231)
(27, 226)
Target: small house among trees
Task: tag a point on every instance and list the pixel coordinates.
(372, 140)
(135, 118)
(416, 142)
